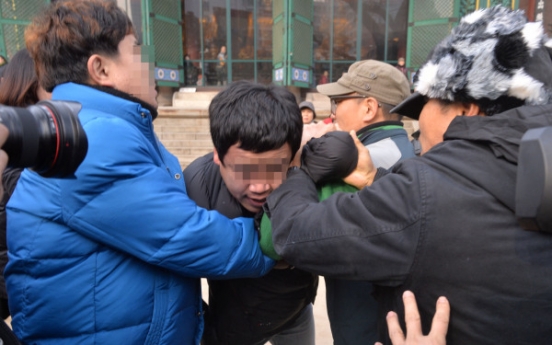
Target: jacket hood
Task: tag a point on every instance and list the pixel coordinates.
(501, 132)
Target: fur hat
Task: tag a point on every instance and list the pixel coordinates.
(493, 52)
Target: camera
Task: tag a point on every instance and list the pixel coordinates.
(534, 180)
(46, 137)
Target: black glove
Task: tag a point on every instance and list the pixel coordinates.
(330, 157)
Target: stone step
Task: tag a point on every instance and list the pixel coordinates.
(167, 135)
(189, 151)
(187, 98)
(177, 121)
(181, 129)
(187, 143)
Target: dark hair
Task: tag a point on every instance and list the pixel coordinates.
(487, 106)
(501, 104)
(20, 83)
(387, 114)
(61, 39)
(259, 117)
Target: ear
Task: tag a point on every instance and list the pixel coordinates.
(472, 109)
(370, 108)
(216, 158)
(99, 68)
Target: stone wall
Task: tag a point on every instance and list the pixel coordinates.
(184, 127)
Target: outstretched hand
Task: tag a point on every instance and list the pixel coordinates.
(364, 173)
(439, 326)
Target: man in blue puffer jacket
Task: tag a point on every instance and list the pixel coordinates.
(113, 255)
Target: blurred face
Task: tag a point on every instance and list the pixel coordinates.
(401, 62)
(251, 177)
(434, 121)
(307, 114)
(133, 72)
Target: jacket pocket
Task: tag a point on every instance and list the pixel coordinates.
(160, 303)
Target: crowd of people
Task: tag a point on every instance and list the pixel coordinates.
(115, 253)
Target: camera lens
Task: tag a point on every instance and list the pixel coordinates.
(46, 137)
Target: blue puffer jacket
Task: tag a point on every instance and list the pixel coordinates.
(113, 256)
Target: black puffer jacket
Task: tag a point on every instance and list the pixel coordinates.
(245, 311)
(439, 224)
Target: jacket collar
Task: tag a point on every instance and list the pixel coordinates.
(364, 132)
(501, 132)
(88, 96)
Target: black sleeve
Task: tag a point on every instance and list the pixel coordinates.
(195, 177)
(369, 235)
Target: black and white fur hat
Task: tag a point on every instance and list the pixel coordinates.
(492, 53)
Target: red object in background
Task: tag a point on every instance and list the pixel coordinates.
(328, 120)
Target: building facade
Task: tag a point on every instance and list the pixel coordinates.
(208, 43)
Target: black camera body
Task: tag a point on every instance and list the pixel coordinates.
(534, 180)
(46, 137)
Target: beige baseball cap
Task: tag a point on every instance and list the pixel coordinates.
(371, 78)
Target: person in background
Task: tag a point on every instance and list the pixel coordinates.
(19, 88)
(115, 254)
(199, 77)
(416, 142)
(324, 79)
(222, 73)
(401, 67)
(444, 223)
(307, 112)
(3, 60)
(191, 71)
(256, 130)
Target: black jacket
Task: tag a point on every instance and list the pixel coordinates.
(245, 311)
(440, 224)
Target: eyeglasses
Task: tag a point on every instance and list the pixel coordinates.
(335, 100)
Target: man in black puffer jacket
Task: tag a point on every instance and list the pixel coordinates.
(256, 130)
(444, 223)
